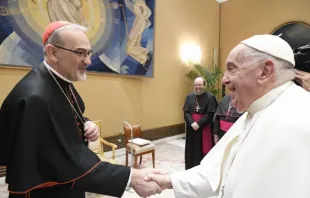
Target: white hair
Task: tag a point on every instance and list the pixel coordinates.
(284, 69)
(55, 38)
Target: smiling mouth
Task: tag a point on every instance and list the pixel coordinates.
(232, 89)
(83, 68)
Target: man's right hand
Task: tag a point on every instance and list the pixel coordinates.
(143, 188)
(195, 126)
(164, 181)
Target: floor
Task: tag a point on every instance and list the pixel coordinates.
(169, 158)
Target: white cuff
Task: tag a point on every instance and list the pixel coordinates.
(191, 184)
(129, 180)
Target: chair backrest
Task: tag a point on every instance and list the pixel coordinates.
(96, 146)
(136, 132)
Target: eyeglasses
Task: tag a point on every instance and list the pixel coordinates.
(79, 53)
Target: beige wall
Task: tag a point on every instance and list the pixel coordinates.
(154, 102)
(241, 19)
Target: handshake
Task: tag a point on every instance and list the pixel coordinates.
(147, 182)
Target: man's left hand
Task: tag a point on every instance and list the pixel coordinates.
(91, 131)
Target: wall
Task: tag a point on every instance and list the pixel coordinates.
(153, 102)
(241, 19)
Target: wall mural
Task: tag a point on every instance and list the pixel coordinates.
(121, 32)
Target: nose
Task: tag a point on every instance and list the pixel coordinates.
(87, 60)
(225, 80)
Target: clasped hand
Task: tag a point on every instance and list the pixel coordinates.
(148, 182)
(91, 131)
(195, 126)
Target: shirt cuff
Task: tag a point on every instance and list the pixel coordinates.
(129, 180)
(191, 183)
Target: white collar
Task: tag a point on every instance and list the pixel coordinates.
(266, 99)
(55, 72)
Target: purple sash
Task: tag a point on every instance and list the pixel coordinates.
(225, 126)
(206, 135)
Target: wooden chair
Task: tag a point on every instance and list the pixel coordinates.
(97, 146)
(137, 150)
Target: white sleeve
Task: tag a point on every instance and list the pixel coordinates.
(191, 183)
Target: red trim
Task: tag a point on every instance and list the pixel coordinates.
(72, 184)
(50, 184)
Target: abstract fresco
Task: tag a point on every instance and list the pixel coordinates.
(121, 32)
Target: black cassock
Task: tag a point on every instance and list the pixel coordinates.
(199, 142)
(42, 143)
(225, 116)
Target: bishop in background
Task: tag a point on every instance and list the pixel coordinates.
(199, 109)
(224, 117)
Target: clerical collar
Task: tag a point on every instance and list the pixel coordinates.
(55, 72)
(266, 99)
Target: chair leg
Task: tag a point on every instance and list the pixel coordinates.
(153, 158)
(140, 159)
(136, 162)
(126, 157)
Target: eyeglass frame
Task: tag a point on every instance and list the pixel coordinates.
(84, 54)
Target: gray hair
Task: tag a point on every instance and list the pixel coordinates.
(284, 69)
(55, 38)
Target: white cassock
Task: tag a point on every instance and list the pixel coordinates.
(265, 154)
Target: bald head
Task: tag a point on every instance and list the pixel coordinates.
(199, 80)
(199, 85)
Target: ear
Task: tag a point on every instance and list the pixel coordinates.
(51, 52)
(267, 72)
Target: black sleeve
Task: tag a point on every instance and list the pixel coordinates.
(187, 115)
(105, 179)
(47, 148)
(206, 119)
(5, 134)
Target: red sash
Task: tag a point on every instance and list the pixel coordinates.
(225, 126)
(207, 142)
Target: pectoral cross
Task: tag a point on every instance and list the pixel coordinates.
(197, 108)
